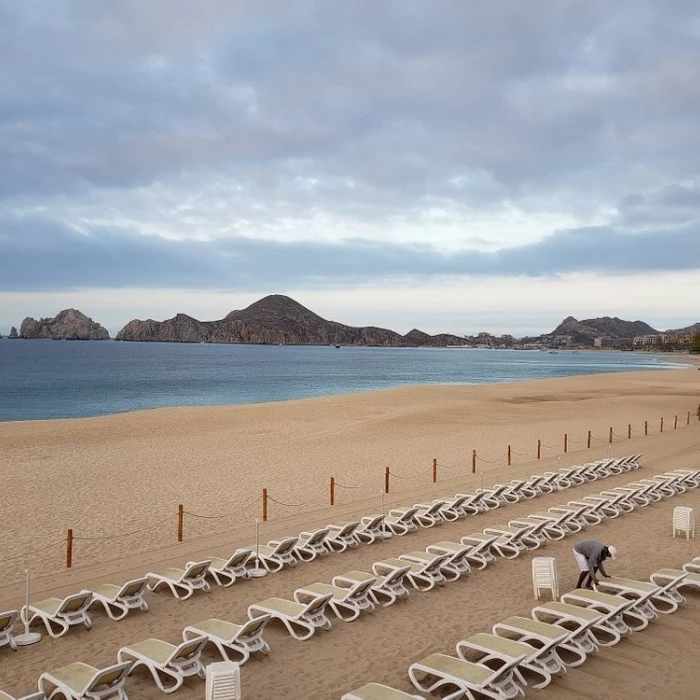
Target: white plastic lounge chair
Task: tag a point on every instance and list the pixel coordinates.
(683, 522)
(340, 537)
(165, 659)
(674, 577)
(372, 529)
(379, 691)
(486, 648)
(227, 636)
(386, 589)
(182, 582)
(579, 622)
(312, 544)
(462, 556)
(118, 600)
(456, 507)
(488, 546)
(346, 603)
(440, 671)
(477, 502)
(580, 516)
(545, 576)
(79, 681)
(650, 598)
(434, 513)
(54, 612)
(423, 577)
(31, 696)
(301, 620)
(616, 609)
(401, 522)
(511, 538)
(448, 569)
(497, 495)
(693, 566)
(555, 524)
(274, 556)
(226, 571)
(223, 681)
(7, 623)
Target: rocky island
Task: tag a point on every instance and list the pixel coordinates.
(69, 324)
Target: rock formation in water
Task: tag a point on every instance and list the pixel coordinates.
(69, 324)
(13, 333)
(275, 320)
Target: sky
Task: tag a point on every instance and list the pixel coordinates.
(447, 165)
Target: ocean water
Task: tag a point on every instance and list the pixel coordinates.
(41, 379)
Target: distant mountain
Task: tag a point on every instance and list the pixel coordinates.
(688, 330)
(69, 324)
(585, 332)
(274, 320)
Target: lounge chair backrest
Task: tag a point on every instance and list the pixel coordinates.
(75, 602)
(408, 514)
(348, 529)
(254, 626)
(286, 546)
(317, 537)
(109, 677)
(375, 522)
(240, 557)
(196, 569)
(437, 563)
(132, 588)
(361, 588)
(188, 649)
(318, 604)
(7, 620)
(396, 574)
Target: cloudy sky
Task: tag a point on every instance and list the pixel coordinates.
(455, 166)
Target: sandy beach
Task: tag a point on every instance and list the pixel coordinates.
(117, 482)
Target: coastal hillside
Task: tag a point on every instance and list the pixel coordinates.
(69, 324)
(585, 332)
(276, 320)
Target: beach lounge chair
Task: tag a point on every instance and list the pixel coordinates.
(693, 566)
(475, 503)
(226, 571)
(456, 507)
(165, 659)
(462, 555)
(490, 545)
(274, 557)
(423, 577)
(616, 609)
(587, 625)
(223, 681)
(517, 537)
(79, 681)
(118, 600)
(402, 521)
(555, 527)
(300, 619)
(31, 696)
(60, 613)
(651, 598)
(379, 691)
(227, 636)
(308, 545)
(674, 577)
(423, 557)
(487, 648)
(7, 623)
(372, 529)
(340, 537)
(440, 671)
(594, 512)
(579, 516)
(385, 590)
(498, 495)
(346, 603)
(434, 513)
(182, 582)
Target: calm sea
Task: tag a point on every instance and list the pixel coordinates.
(42, 379)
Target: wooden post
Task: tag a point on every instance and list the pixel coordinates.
(509, 453)
(386, 480)
(662, 425)
(566, 443)
(588, 443)
(264, 505)
(539, 449)
(332, 490)
(435, 470)
(180, 522)
(629, 431)
(69, 548)
(473, 461)
(610, 436)
(646, 427)
(675, 423)
(688, 420)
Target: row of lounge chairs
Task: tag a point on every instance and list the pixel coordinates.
(58, 615)
(617, 607)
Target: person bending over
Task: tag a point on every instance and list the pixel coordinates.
(589, 556)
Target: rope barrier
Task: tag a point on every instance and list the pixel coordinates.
(549, 447)
(398, 476)
(126, 534)
(36, 551)
(451, 466)
(224, 515)
(617, 435)
(520, 454)
(487, 461)
(290, 505)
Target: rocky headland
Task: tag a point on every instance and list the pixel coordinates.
(69, 324)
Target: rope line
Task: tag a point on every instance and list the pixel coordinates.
(548, 447)
(225, 515)
(361, 488)
(617, 435)
(289, 505)
(398, 476)
(450, 466)
(125, 534)
(36, 551)
(487, 461)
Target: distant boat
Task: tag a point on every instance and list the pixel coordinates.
(553, 352)
(337, 347)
